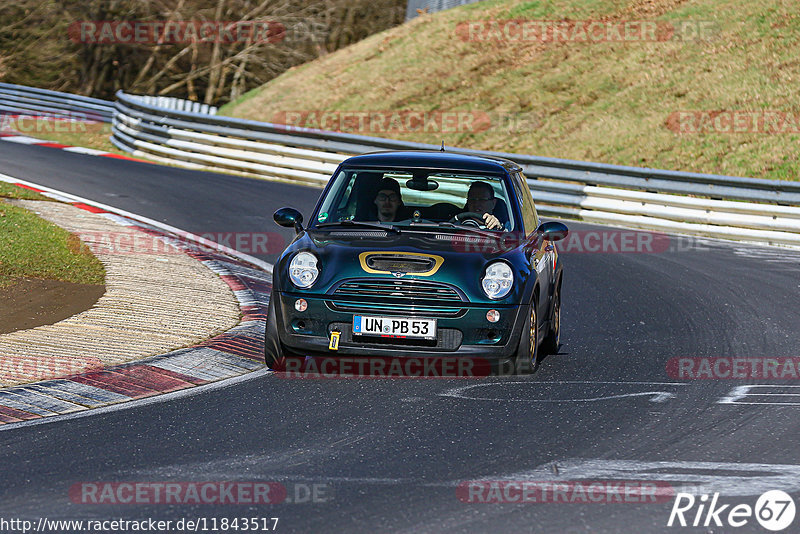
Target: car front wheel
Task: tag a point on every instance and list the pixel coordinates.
(273, 350)
(527, 359)
(553, 340)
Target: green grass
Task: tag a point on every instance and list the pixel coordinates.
(95, 136)
(34, 248)
(607, 102)
(14, 191)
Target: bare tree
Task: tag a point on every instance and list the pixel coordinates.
(36, 49)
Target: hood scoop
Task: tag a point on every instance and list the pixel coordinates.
(400, 262)
(406, 264)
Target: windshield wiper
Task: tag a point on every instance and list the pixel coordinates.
(446, 224)
(347, 222)
(485, 233)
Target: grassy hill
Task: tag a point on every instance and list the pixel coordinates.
(612, 101)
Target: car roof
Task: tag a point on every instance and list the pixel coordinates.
(432, 159)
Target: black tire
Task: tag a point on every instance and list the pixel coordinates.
(273, 349)
(527, 357)
(552, 342)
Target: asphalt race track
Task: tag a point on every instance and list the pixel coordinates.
(389, 455)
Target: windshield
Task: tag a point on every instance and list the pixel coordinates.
(416, 197)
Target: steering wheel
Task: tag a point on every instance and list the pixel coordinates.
(469, 218)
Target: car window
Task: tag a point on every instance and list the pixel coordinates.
(529, 215)
(425, 195)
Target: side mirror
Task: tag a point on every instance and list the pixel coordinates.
(290, 218)
(553, 231)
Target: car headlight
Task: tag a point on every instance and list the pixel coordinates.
(498, 280)
(303, 270)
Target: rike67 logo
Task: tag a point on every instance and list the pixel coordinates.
(774, 510)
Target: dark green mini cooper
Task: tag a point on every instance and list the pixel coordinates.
(415, 255)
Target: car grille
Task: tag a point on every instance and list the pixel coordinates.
(405, 310)
(400, 262)
(391, 290)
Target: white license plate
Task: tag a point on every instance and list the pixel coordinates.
(400, 327)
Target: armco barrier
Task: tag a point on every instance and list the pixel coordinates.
(21, 100)
(178, 104)
(414, 7)
(747, 209)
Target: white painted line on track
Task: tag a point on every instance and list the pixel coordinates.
(655, 396)
(156, 224)
(24, 140)
(726, 478)
(82, 150)
(753, 390)
(138, 403)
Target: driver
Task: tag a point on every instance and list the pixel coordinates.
(481, 199)
(389, 201)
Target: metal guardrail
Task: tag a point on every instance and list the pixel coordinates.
(216, 143)
(766, 211)
(748, 209)
(178, 104)
(431, 6)
(21, 100)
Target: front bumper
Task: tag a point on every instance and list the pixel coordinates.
(462, 328)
